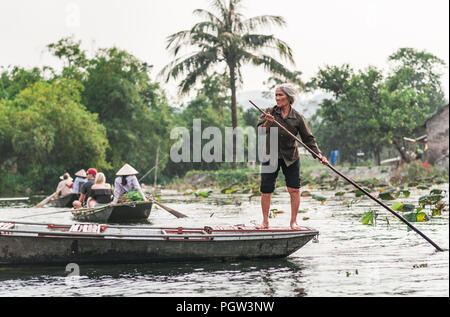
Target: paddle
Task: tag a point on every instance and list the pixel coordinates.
(173, 212)
(46, 200)
(354, 184)
(49, 213)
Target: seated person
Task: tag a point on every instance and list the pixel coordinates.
(126, 181)
(86, 189)
(64, 186)
(101, 192)
(80, 179)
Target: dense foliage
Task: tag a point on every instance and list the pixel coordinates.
(104, 111)
(370, 111)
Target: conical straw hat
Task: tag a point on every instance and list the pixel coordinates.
(81, 173)
(127, 170)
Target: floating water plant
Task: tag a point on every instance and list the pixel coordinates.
(204, 194)
(369, 218)
(322, 199)
(350, 203)
(399, 206)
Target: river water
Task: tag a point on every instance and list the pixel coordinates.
(348, 259)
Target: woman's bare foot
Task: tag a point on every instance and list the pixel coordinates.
(262, 227)
(295, 226)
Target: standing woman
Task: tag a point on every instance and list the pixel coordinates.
(288, 156)
(126, 181)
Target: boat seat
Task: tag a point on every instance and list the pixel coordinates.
(210, 229)
(6, 226)
(88, 228)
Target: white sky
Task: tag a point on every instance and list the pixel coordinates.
(321, 32)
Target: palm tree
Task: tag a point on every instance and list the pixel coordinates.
(226, 37)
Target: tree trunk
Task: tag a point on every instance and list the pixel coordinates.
(403, 155)
(234, 119)
(155, 183)
(378, 156)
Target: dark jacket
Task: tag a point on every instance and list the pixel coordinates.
(287, 146)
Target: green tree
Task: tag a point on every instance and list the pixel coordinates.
(368, 112)
(16, 79)
(74, 58)
(132, 108)
(421, 71)
(226, 37)
(129, 104)
(211, 105)
(48, 132)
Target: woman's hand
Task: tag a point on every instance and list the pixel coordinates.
(323, 160)
(269, 120)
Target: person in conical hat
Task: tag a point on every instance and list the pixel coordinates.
(127, 170)
(64, 187)
(80, 179)
(81, 173)
(125, 182)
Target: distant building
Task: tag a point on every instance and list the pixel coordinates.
(438, 139)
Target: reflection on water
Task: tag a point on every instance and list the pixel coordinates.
(348, 259)
(243, 278)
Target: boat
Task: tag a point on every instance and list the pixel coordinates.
(53, 244)
(64, 202)
(117, 213)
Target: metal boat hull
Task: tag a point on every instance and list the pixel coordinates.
(64, 251)
(147, 246)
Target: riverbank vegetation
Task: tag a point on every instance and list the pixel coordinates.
(103, 109)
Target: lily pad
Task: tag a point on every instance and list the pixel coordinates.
(430, 199)
(436, 192)
(422, 217)
(408, 207)
(319, 198)
(397, 206)
(406, 193)
(203, 194)
(411, 217)
(369, 218)
(388, 194)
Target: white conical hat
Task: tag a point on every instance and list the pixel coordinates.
(81, 173)
(127, 170)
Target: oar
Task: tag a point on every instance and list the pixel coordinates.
(173, 212)
(355, 184)
(147, 173)
(46, 214)
(46, 200)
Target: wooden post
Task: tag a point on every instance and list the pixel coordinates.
(156, 167)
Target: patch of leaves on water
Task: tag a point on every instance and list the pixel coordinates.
(399, 206)
(392, 193)
(350, 203)
(411, 212)
(418, 216)
(369, 218)
(203, 193)
(322, 199)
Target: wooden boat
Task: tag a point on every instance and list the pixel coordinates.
(30, 243)
(120, 213)
(64, 202)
